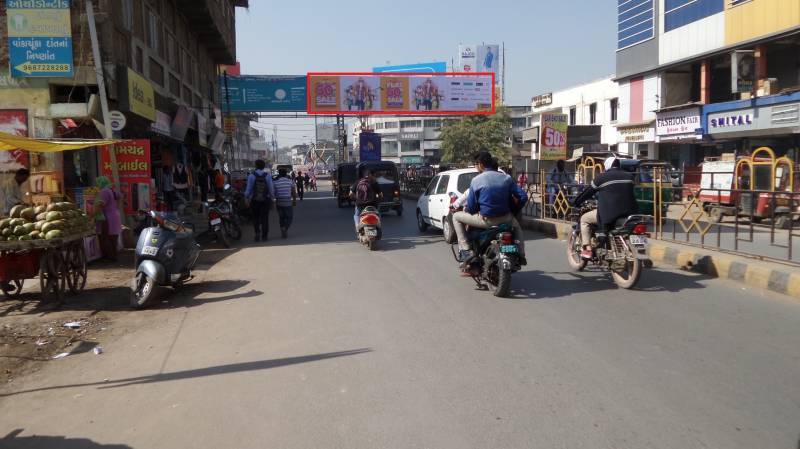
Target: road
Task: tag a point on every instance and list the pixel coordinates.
(315, 342)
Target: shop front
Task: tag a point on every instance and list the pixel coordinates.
(637, 140)
(744, 130)
(679, 134)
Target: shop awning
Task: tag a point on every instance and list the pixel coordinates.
(9, 142)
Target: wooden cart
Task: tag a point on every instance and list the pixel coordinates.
(60, 264)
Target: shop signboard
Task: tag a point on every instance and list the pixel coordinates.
(410, 136)
(765, 120)
(467, 58)
(13, 121)
(138, 96)
(269, 93)
(401, 94)
(202, 129)
(553, 140)
(133, 166)
(732, 121)
(369, 147)
(162, 125)
(678, 123)
(636, 134)
(39, 38)
(543, 100)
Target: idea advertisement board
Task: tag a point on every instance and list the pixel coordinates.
(401, 93)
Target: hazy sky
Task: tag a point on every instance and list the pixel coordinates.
(549, 44)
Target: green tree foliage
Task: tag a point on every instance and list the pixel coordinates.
(464, 137)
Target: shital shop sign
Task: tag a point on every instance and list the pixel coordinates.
(732, 121)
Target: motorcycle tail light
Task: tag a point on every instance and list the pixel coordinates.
(212, 214)
(640, 229)
(369, 219)
(453, 198)
(507, 238)
(396, 193)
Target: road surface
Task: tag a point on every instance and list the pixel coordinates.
(314, 342)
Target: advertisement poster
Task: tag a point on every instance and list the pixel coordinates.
(369, 148)
(13, 121)
(488, 58)
(467, 58)
(360, 93)
(403, 94)
(394, 93)
(270, 93)
(39, 38)
(422, 67)
(553, 141)
(133, 166)
(324, 92)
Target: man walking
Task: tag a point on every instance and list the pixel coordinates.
(260, 192)
(300, 180)
(285, 199)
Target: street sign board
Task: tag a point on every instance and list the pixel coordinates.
(357, 93)
(269, 93)
(118, 120)
(39, 38)
(422, 67)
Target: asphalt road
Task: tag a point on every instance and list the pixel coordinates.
(314, 342)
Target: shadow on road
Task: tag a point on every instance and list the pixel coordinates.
(540, 285)
(14, 441)
(202, 372)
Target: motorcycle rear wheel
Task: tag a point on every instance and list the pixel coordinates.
(574, 259)
(222, 237)
(503, 286)
(372, 245)
(144, 290)
(630, 277)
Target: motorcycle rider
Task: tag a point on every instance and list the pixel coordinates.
(366, 192)
(615, 199)
(491, 200)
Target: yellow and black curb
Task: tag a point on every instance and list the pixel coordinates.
(770, 276)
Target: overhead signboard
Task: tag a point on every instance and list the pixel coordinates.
(543, 100)
(137, 94)
(553, 141)
(488, 58)
(269, 93)
(401, 94)
(39, 38)
(467, 58)
(422, 67)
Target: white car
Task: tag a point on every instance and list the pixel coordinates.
(433, 206)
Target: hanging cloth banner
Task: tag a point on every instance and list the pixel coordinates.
(10, 142)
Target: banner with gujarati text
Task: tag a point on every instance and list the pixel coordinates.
(134, 168)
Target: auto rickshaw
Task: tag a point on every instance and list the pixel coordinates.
(387, 178)
(346, 176)
(767, 187)
(648, 175)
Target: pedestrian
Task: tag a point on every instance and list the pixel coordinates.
(11, 190)
(260, 193)
(168, 187)
(108, 222)
(300, 188)
(285, 200)
(557, 178)
(307, 181)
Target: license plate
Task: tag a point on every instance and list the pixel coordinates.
(370, 232)
(216, 221)
(638, 240)
(509, 249)
(150, 250)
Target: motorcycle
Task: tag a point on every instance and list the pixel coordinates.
(220, 224)
(622, 251)
(496, 256)
(165, 255)
(238, 205)
(369, 227)
(231, 221)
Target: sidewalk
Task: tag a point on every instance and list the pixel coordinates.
(775, 277)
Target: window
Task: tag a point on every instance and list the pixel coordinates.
(138, 60)
(432, 186)
(172, 51)
(635, 21)
(174, 86)
(391, 125)
(593, 113)
(185, 63)
(436, 123)
(410, 124)
(127, 14)
(613, 104)
(573, 115)
(156, 72)
(187, 94)
(152, 29)
(464, 180)
(443, 184)
(683, 12)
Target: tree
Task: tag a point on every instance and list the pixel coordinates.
(462, 138)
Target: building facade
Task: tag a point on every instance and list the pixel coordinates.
(706, 77)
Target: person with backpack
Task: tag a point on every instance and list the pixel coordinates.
(366, 192)
(260, 193)
(299, 180)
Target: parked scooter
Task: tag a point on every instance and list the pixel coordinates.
(369, 227)
(165, 255)
(217, 224)
(231, 223)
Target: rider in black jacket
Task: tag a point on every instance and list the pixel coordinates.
(615, 199)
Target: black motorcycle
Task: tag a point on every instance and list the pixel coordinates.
(622, 250)
(165, 255)
(496, 257)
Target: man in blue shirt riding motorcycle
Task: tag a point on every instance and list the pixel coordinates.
(493, 199)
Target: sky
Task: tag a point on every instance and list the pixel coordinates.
(549, 45)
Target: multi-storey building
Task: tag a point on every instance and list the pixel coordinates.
(705, 77)
(160, 62)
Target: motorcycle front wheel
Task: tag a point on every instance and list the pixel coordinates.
(222, 237)
(233, 229)
(629, 277)
(574, 259)
(144, 289)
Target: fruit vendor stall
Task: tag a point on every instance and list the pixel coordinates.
(47, 241)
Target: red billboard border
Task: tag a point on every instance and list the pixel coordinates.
(409, 113)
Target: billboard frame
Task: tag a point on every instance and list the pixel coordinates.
(310, 75)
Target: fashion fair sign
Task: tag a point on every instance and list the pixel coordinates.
(684, 121)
